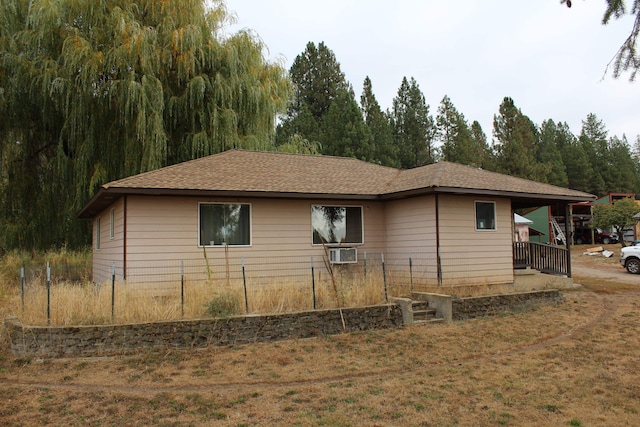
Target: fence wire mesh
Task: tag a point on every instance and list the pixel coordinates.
(94, 293)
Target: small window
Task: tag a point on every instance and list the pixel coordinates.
(112, 225)
(224, 224)
(485, 216)
(98, 233)
(336, 224)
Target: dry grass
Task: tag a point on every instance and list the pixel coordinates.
(90, 304)
(574, 364)
(568, 365)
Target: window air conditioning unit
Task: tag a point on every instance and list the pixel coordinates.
(343, 255)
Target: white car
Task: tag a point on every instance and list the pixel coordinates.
(630, 258)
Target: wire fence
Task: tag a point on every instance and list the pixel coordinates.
(94, 293)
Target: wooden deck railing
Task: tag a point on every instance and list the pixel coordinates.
(542, 257)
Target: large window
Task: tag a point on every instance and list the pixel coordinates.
(222, 224)
(336, 224)
(485, 216)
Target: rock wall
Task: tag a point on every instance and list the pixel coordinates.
(122, 339)
(471, 307)
(62, 341)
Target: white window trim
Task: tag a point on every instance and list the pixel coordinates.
(338, 206)
(200, 245)
(475, 218)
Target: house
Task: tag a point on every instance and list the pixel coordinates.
(458, 220)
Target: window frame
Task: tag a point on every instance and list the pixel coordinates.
(250, 231)
(475, 215)
(337, 244)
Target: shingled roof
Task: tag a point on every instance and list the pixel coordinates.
(267, 174)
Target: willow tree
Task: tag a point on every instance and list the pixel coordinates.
(92, 91)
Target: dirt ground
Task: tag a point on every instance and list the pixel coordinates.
(574, 364)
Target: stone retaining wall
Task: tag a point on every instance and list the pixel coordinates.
(121, 339)
(471, 307)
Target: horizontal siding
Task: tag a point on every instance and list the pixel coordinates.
(411, 233)
(166, 228)
(470, 256)
(111, 249)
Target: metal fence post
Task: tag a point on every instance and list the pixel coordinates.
(410, 272)
(113, 290)
(384, 280)
(364, 265)
(244, 284)
(182, 288)
(22, 290)
(313, 284)
(48, 294)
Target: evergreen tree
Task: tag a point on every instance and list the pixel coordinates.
(455, 136)
(95, 91)
(549, 155)
(482, 151)
(622, 167)
(413, 127)
(516, 138)
(593, 138)
(324, 109)
(378, 122)
(574, 158)
(343, 131)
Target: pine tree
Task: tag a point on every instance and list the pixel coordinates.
(414, 128)
(95, 91)
(378, 122)
(455, 136)
(574, 158)
(516, 140)
(481, 149)
(549, 155)
(594, 142)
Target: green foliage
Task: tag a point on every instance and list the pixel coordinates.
(618, 215)
(379, 125)
(516, 143)
(458, 142)
(95, 91)
(324, 110)
(413, 127)
(224, 305)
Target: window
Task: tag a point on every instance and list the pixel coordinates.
(98, 233)
(112, 225)
(485, 215)
(336, 224)
(222, 224)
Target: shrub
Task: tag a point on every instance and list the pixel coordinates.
(222, 306)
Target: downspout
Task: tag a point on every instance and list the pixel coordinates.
(567, 216)
(124, 239)
(438, 262)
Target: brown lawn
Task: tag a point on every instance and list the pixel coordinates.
(574, 364)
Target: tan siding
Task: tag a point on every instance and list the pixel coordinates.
(411, 232)
(111, 249)
(470, 256)
(165, 230)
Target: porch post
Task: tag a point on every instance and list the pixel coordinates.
(567, 227)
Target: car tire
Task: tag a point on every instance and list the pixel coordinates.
(579, 241)
(606, 241)
(633, 266)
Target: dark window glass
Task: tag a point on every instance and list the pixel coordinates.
(222, 224)
(336, 224)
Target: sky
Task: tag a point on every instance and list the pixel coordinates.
(548, 58)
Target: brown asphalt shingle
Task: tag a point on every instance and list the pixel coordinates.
(253, 171)
(288, 175)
